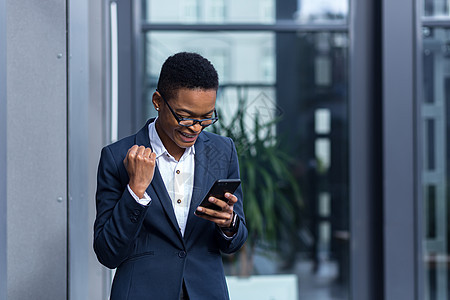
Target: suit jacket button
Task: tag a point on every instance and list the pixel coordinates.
(182, 254)
(137, 212)
(133, 219)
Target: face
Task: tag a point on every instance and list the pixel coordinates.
(187, 103)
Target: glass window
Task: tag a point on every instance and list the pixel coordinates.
(210, 11)
(288, 91)
(321, 11)
(229, 53)
(437, 8)
(236, 11)
(435, 124)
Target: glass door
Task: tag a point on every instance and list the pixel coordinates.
(283, 71)
(434, 112)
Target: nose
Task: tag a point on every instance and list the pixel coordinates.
(196, 127)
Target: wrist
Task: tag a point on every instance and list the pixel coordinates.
(138, 191)
(234, 224)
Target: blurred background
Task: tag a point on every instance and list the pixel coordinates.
(338, 109)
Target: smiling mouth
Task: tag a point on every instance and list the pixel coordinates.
(190, 136)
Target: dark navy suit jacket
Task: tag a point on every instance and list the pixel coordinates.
(145, 243)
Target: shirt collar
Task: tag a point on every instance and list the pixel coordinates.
(158, 146)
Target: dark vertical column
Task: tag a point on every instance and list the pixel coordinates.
(285, 9)
(292, 54)
(365, 114)
(126, 78)
(138, 63)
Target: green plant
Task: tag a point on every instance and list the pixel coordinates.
(272, 199)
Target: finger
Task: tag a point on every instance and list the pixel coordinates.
(151, 159)
(132, 151)
(147, 152)
(149, 155)
(220, 203)
(140, 152)
(216, 216)
(224, 210)
(220, 222)
(153, 156)
(231, 198)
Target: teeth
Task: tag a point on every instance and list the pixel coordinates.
(187, 135)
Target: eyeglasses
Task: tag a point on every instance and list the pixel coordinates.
(186, 122)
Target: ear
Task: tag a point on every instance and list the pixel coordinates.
(156, 100)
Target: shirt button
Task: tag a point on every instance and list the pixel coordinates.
(179, 201)
(178, 171)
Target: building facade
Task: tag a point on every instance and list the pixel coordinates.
(358, 88)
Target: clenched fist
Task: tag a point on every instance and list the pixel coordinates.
(140, 164)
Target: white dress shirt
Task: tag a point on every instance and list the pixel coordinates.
(178, 177)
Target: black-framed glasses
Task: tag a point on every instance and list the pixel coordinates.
(186, 122)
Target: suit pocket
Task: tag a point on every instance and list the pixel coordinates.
(139, 256)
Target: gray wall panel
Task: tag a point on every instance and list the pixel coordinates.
(86, 136)
(36, 149)
(399, 155)
(78, 149)
(3, 276)
(97, 133)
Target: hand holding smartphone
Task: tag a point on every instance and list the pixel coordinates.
(218, 190)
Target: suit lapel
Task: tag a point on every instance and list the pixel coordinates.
(200, 180)
(157, 190)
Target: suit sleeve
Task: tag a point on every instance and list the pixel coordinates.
(238, 240)
(119, 217)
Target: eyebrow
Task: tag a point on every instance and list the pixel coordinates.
(191, 112)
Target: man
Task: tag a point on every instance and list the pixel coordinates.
(150, 184)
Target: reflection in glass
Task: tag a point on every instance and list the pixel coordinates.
(436, 8)
(302, 79)
(224, 49)
(241, 75)
(249, 11)
(321, 11)
(210, 11)
(434, 113)
(312, 89)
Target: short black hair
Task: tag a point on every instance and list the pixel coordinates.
(186, 70)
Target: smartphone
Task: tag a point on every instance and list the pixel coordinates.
(218, 190)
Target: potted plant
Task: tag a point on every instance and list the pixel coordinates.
(272, 199)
